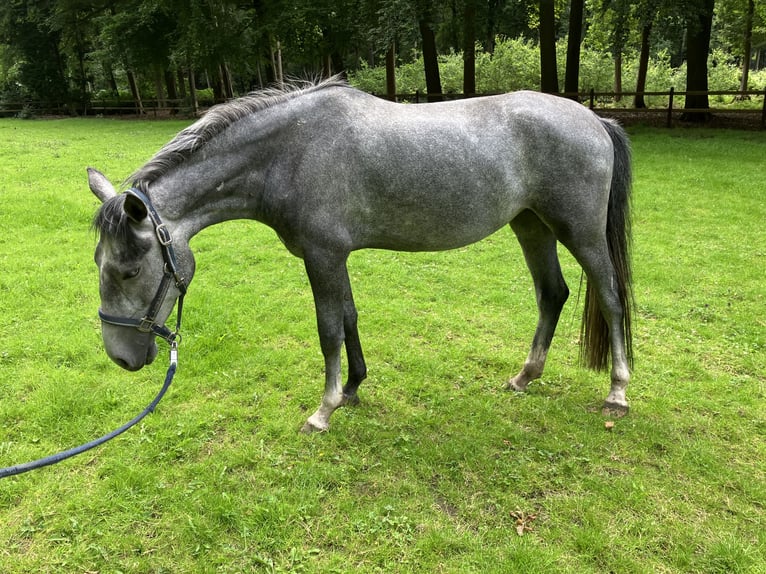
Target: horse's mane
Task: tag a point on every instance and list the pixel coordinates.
(216, 120)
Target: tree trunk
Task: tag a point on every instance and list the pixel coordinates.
(469, 48)
(193, 91)
(170, 85)
(181, 85)
(135, 91)
(219, 92)
(618, 75)
(430, 62)
(492, 9)
(278, 69)
(172, 91)
(698, 47)
(643, 65)
(326, 65)
(83, 77)
(111, 80)
(228, 83)
(159, 89)
(391, 72)
(747, 48)
(572, 76)
(549, 79)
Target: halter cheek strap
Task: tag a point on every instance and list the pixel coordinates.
(148, 324)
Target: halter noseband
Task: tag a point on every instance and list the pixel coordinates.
(149, 322)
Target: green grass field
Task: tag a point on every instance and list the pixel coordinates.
(439, 469)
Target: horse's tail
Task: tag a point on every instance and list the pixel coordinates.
(594, 335)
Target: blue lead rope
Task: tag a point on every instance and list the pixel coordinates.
(54, 458)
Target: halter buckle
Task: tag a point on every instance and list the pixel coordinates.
(146, 325)
(163, 234)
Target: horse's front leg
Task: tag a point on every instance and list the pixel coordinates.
(357, 369)
(329, 283)
(332, 399)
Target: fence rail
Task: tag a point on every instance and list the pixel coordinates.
(608, 102)
(100, 107)
(603, 102)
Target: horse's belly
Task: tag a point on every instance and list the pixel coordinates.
(434, 228)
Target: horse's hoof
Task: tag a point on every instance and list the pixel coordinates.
(311, 428)
(512, 385)
(351, 400)
(614, 410)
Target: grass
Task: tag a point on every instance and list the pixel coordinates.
(438, 467)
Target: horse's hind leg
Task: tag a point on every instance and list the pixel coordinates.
(598, 266)
(539, 246)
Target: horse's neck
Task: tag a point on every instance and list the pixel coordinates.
(221, 182)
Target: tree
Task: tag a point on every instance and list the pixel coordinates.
(59, 51)
(72, 20)
(25, 25)
(388, 26)
(609, 31)
(736, 22)
(469, 47)
(137, 37)
(699, 28)
(747, 44)
(647, 14)
(572, 76)
(549, 80)
(426, 23)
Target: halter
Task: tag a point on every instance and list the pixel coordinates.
(149, 322)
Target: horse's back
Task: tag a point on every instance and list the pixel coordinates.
(443, 175)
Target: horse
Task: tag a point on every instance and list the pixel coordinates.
(332, 170)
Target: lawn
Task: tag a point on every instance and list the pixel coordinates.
(439, 469)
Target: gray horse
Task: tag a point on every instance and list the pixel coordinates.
(332, 170)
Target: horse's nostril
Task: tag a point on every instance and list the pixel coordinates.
(126, 365)
(122, 363)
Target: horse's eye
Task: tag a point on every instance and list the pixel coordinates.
(132, 273)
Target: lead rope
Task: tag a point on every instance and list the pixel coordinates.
(54, 458)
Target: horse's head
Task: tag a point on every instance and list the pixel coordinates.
(141, 273)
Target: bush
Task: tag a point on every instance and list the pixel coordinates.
(515, 65)
(757, 80)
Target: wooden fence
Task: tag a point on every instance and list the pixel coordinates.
(670, 104)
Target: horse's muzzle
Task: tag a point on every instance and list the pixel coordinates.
(135, 361)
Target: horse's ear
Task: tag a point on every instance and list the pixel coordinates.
(134, 208)
(99, 185)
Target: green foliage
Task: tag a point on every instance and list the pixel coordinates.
(64, 51)
(515, 65)
(434, 470)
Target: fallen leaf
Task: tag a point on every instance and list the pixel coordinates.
(609, 425)
(523, 521)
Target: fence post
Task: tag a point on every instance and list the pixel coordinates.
(592, 97)
(670, 107)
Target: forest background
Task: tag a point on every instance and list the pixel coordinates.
(71, 52)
